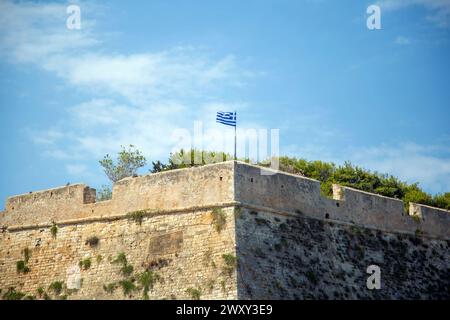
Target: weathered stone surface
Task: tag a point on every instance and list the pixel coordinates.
(179, 248)
(288, 257)
(190, 225)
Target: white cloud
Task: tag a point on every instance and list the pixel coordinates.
(165, 90)
(438, 10)
(142, 78)
(411, 162)
(32, 32)
(36, 33)
(101, 126)
(158, 91)
(429, 165)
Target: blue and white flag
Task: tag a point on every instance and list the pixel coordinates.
(227, 118)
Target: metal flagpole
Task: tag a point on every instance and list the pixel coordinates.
(235, 118)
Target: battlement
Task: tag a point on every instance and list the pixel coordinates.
(291, 193)
(227, 183)
(172, 190)
(47, 205)
(75, 192)
(185, 225)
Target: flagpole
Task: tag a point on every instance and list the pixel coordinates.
(235, 117)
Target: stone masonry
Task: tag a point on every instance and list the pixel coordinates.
(222, 231)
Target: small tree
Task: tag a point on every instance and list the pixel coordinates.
(128, 162)
(104, 194)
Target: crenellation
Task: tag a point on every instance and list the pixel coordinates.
(280, 191)
(45, 206)
(371, 210)
(225, 182)
(291, 193)
(432, 220)
(181, 223)
(196, 186)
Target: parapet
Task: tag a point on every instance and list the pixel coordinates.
(434, 220)
(226, 184)
(47, 205)
(171, 190)
(288, 193)
(208, 185)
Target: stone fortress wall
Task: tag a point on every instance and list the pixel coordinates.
(199, 231)
(290, 193)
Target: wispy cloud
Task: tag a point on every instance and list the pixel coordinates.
(36, 33)
(142, 78)
(158, 91)
(142, 97)
(33, 32)
(438, 11)
(427, 164)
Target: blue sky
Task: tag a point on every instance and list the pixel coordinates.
(138, 70)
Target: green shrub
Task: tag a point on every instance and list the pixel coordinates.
(194, 294)
(54, 230)
(415, 195)
(92, 241)
(127, 287)
(12, 294)
(229, 264)
(355, 177)
(22, 267)
(147, 279)
(56, 287)
(219, 219)
(127, 270)
(137, 216)
(40, 291)
(110, 288)
(442, 200)
(120, 259)
(85, 264)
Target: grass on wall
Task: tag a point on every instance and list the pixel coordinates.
(193, 293)
(219, 219)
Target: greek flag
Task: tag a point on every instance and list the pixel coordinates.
(227, 118)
